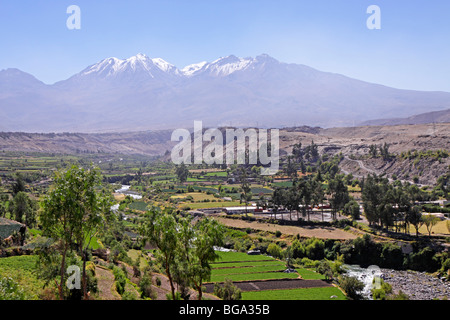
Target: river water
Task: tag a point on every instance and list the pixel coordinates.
(125, 190)
(365, 275)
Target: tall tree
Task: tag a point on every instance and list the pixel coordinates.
(297, 152)
(277, 200)
(318, 191)
(208, 234)
(429, 221)
(21, 208)
(73, 212)
(246, 194)
(414, 216)
(161, 229)
(339, 194)
(182, 173)
(18, 185)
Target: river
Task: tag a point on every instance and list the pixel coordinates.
(365, 275)
(125, 189)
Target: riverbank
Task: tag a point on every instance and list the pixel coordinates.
(417, 285)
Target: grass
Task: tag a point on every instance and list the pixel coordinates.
(241, 256)
(254, 276)
(135, 254)
(309, 274)
(243, 270)
(196, 196)
(216, 174)
(138, 205)
(239, 266)
(204, 205)
(295, 294)
(22, 270)
(247, 264)
(439, 228)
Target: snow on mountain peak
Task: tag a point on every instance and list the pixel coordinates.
(141, 63)
(227, 65)
(164, 65)
(192, 69)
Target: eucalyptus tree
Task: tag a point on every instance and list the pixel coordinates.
(338, 194)
(186, 247)
(161, 229)
(73, 212)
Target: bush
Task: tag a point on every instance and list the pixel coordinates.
(275, 251)
(352, 287)
(314, 249)
(383, 292)
(10, 290)
(145, 285)
(120, 279)
(228, 291)
(391, 256)
(308, 263)
(424, 260)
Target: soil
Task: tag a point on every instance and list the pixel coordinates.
(105, 283)
(274, 284)
(320, 232)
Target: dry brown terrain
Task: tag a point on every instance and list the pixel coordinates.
(304, 231)
(352, 142)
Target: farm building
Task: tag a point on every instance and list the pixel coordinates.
(238, 210)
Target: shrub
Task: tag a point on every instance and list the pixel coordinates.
(314, 249)
(228, 291)
(145, 285)
(275, 251)
(352, 286)
(120, 279)
(383, 292)
(10, 290)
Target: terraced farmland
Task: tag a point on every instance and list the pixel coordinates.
(262, 277)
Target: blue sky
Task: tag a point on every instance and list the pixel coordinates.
(411, 51)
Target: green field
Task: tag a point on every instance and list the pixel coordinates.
(22, 269)
(246, 270)
(204, 205)
(216, 174)
(248, 264)
(239, 266)
(308, 274)
(295, 294)
(241, 256)
(138, 205)
(254, 276)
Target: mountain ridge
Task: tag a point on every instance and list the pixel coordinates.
(143, 93)
(440, 116)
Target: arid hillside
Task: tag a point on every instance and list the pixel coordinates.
(353, 142)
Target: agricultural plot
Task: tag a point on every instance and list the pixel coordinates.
(319, 293)
(22, 269)
(262, 277)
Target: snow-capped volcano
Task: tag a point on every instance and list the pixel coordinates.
(138, 67)
(140, 92)
(193, 69)
(113, 67)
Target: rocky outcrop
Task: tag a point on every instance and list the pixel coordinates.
(417, 285)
